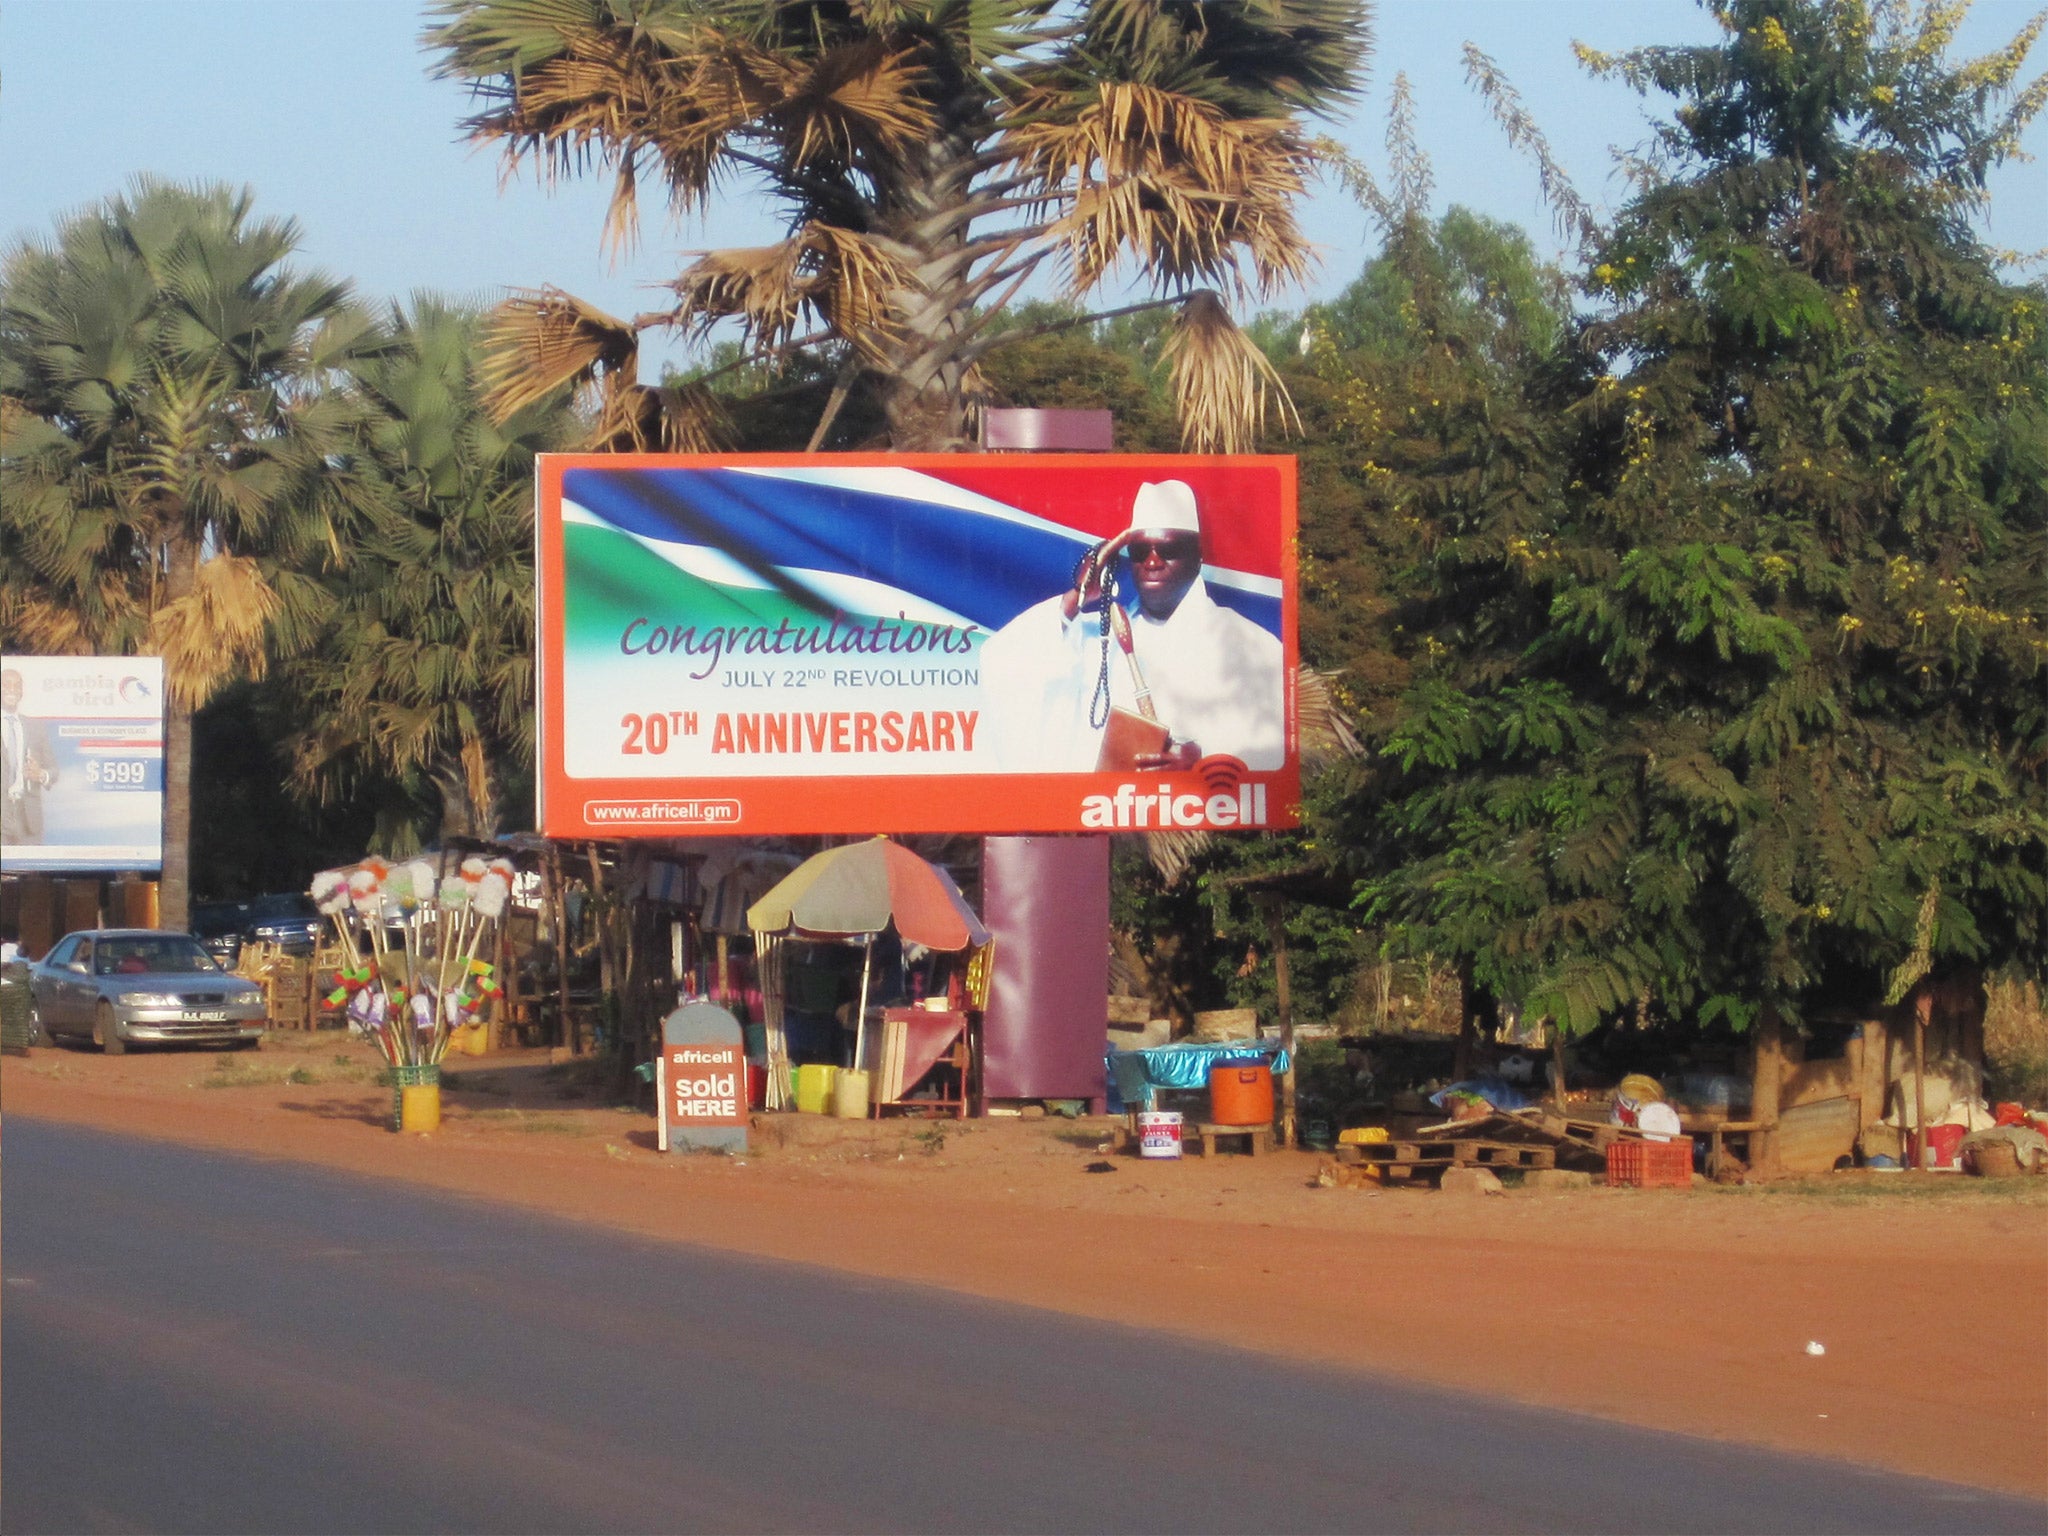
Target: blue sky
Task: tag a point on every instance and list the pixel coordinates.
(326, 109)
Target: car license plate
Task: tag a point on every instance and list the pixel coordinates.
(198, 1016)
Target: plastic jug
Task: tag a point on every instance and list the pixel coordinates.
(850, 1095)
(814, 1088)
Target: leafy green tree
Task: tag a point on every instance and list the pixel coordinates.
(930, 158)
(1051, 358)
(1744, 703)
(1415, 387)
(171, 458)
(425, 666)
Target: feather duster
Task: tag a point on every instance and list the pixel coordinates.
(491, 894)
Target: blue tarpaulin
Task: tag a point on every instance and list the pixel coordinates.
(1498, 1092)
(1137, 1075)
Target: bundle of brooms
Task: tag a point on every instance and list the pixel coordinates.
(413, 938)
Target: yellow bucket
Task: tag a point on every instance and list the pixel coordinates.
(814, 1088)
(474, 1038)
(419, 1107)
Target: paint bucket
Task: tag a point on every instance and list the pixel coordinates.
(1159, 1133)
(814, 1088)
(1241, 1093)
(1941, 1144)
(850, 1095)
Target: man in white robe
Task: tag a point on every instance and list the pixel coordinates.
(1216, 679)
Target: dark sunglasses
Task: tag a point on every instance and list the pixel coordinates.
(1168, 549)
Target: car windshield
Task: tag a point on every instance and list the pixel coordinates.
(216, 918)
(157, 954)
(273, 909)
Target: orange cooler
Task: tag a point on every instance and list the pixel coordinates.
(1241, 1093)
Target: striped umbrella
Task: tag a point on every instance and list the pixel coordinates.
(861, 889)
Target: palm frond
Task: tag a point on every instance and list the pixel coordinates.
(217, 631)
(542, 341)
(858, 99)
(637, 418)
(1223, 385)
(1171, 182)
(1325, 733)
(846, 279)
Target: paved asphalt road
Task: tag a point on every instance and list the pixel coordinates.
(197, 1342)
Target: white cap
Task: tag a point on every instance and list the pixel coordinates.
(1165, 505)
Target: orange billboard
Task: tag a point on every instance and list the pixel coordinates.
(780, 644)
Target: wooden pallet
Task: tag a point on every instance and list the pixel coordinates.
(1597, 1134)
(1504, 1154)
(1442, 1153)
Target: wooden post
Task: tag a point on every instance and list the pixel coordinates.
(567, 1031)
(1968, 999)
(1923, 1010)
(1876, 1075)
(1766, 1079)
(1468, 1026)
(1276, 932)
(860, 1018)
(1557, 1063)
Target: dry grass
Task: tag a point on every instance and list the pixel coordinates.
(2016, 1043)
(269, 1068)
(523, 1120)
(1904, 1186)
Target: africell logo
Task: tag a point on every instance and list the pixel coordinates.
(1227, 801)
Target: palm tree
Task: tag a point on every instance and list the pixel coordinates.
(169, 458)
(930, 158)
(426, 665)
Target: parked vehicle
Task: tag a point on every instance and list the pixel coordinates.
(217, 925)
(129, 986)
(289, 920)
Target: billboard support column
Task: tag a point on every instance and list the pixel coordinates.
(1046, 1026)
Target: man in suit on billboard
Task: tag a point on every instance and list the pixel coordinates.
(27, 766)
(1076, 684)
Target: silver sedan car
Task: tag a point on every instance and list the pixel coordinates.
(129, 986)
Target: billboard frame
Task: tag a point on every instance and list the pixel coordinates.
(667, 807)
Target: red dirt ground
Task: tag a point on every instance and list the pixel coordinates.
(1680, 1311)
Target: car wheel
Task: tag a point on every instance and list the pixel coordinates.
(105, 1035)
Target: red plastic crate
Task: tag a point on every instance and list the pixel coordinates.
(1650, 1164)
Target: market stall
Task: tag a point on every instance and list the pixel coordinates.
(857, 894)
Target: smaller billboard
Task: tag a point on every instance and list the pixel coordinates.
(81, 763)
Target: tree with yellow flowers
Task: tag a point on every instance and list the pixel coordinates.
(1745, 707)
